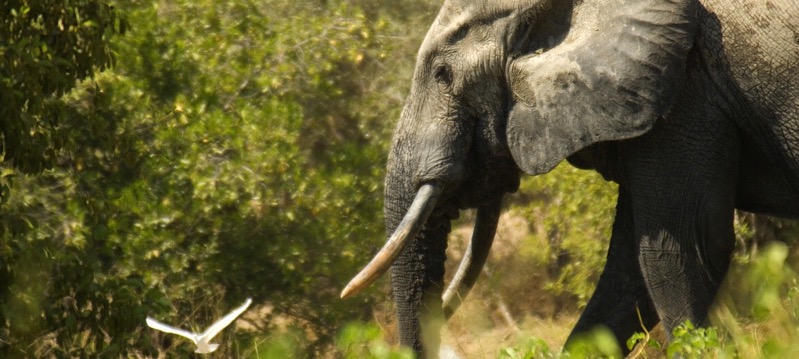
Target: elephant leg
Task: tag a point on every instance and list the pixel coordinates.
(684, 261)
(682, 270)
(621, 301)
(682, 178)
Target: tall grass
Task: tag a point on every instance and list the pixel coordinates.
(756, 315)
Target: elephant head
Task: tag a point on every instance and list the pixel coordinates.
(504, 87)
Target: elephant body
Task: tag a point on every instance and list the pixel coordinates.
(692, 107)
(760, 95)
(731, 140)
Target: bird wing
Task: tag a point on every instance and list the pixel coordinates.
(152, 323)
(220, 324)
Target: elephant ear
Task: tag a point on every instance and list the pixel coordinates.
(611, 78)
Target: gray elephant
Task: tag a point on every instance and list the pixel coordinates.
(692, 107)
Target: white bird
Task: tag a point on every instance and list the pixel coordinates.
(202, 340)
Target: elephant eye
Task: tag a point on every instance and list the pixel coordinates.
(443, 75)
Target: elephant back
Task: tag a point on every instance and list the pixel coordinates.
(751, 50)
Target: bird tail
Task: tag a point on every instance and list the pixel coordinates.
(211, 348)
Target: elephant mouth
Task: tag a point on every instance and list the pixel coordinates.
(428, 195)
(422, 206)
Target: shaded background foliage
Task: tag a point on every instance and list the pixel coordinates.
(236, 148)
(47, 47)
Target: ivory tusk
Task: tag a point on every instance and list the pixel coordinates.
(409, 227)
(485, 227)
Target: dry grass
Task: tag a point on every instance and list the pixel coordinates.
(497, 314)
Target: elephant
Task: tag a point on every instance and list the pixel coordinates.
(690, 106)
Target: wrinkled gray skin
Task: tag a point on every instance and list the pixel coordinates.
(692, 107)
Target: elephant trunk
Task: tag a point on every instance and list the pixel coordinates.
(416, 252)
(417, 278)
(412, 222)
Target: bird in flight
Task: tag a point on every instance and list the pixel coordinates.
(202, 339)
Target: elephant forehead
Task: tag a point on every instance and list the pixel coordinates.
(480, 11)
(458, 17)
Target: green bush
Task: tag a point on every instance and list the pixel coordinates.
(690, 342)
(359, 340)
(532, 348)
(598, 343)
(48, 46)
(236, 149)
(570, 212)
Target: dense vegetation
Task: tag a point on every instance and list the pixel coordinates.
(171, 157)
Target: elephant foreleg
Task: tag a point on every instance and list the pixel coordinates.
(682, 178)
(621, 301)
(685, 260)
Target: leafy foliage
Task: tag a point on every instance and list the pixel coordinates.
(571, 214)
(643, 339)
(530, 349)
(691, 342)
(48, 45)
(599, 343)
(366, 341)
(757, 312)
(235, 150)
